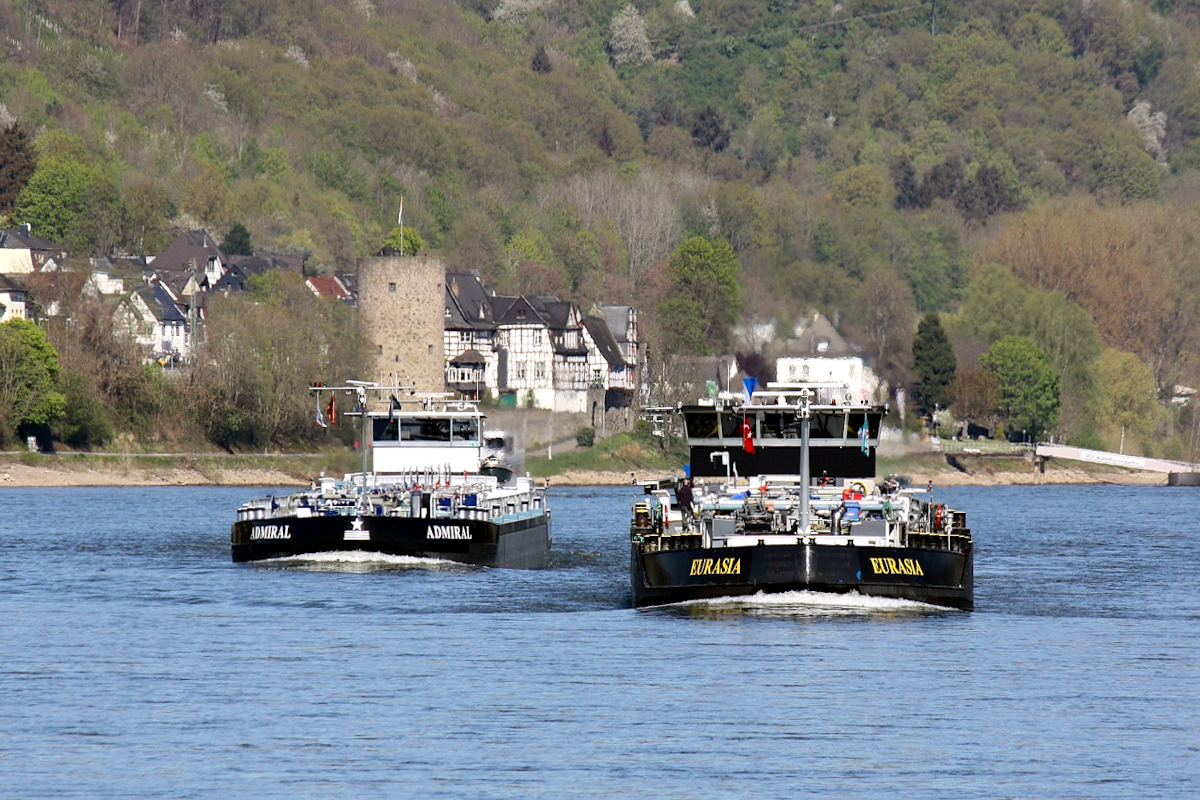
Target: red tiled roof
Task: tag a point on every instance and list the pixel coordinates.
(327, 287)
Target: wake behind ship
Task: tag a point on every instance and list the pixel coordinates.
(778, 531)
(431, 492)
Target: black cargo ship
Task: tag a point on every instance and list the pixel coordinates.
(429, 494)
(775, 530)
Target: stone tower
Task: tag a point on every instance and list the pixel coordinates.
(402, 308)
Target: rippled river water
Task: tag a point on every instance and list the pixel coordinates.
(137, 661)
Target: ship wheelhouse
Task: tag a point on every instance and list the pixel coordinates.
(714, 432)
(409, 441)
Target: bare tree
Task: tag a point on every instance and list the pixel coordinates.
(643, 209)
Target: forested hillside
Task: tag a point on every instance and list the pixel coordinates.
(1023, 169)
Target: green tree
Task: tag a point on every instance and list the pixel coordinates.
(705, 296)
(863, 185)
(17, 164)
(410, 245)
(934, 363)
(99, 226)
(1029, 387)
(55, 196)
(85, 422)
(1125, 399)
(30, 399)
(237, 241)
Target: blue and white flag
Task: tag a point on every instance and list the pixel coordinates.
(749, 384)
(864, 433)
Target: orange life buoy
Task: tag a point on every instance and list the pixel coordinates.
(939, 515)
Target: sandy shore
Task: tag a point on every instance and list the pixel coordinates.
(18, 474)
(982, 473)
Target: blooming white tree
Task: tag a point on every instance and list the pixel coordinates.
(627, 40)
(516, 11)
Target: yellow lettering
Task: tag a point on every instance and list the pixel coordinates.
(891, 566)
(917, 566)
(717, 566)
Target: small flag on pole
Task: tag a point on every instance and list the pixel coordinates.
(747, 436)
(321, 418)
(749, 384)
(331, 411)
(864, 433)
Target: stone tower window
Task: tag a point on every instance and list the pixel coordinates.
(392, 288)
(379, 350)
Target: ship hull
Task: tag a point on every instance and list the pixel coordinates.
(938, 577)
(522, 543)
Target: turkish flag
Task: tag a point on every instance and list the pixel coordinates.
(747, 436)
(331, 411)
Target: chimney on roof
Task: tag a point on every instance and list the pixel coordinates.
(26, 229)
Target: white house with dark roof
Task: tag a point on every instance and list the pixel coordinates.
(542, 353)
(469, 338)
(622, 326)
(13, 297)
(151, 316)
(191, 251)
(532, 348)
(23, 252)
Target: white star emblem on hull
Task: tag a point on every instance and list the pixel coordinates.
(356, 532)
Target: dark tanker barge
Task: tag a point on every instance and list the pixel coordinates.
(779, 531)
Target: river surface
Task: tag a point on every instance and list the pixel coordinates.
(137, 661)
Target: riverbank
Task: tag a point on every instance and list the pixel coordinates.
(290, 470)
(167, 470)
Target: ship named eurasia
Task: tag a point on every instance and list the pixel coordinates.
(776, 529)
(432, 491)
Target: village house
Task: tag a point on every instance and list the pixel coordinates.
(469, 336)
(537, 350)
(817, 353)
(331, 288)
(191, 251)
(621, 382)
(153, 319)
(12, 299)
(542, 355)
(22, 252)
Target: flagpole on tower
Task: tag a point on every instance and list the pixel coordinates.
(400, 222)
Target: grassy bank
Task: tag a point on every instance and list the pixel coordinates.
(623, 453)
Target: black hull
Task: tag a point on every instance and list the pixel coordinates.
(518, 544)
(938, 577)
